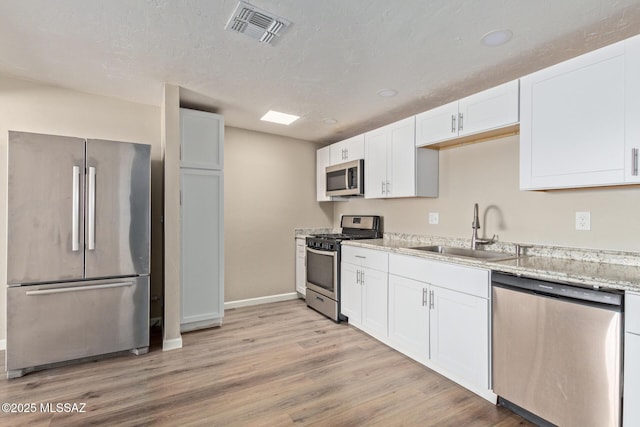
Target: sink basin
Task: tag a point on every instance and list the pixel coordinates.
(467, 253)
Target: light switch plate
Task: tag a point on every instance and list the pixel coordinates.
(583, 221)
(434, 218)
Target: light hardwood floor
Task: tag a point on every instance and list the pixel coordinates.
(276, 364)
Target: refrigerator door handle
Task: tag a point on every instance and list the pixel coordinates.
(78, 288)
(75, 210)
(91, 210)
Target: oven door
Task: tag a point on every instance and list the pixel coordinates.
(322, 272)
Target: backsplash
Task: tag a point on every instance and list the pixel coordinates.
(487, 173)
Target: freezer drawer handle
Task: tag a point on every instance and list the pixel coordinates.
(78, 288)
(91, 210)
(75, 210)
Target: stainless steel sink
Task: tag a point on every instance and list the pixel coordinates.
(467, 253)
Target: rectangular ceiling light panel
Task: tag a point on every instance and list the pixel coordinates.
(256, 23)
(278, 117)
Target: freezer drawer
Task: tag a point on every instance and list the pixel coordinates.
(65, 321)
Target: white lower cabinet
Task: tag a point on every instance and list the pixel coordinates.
(409, 316)
(631, 409)
(439, 316)
(363, 287)
(301, 266)
(459, 335)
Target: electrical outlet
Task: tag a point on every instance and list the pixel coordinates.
(583, 221)
(434, 217)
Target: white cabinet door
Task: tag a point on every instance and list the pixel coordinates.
(201, 215)
(374, 301)
(201, 139)
(438, 124)
(351, 293)
(401, 159)
(301, 266)
(375, 164)
(631, 412)
(459, 335)
(322, 161)
(491, 109)
(392, 164)
(347, 150)
(579, 120)
(409, 316)
(632, 110)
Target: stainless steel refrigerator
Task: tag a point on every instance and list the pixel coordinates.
(78, 249)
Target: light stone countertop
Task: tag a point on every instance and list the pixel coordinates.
(587, 267)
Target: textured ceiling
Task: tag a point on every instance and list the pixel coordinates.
(330, 63)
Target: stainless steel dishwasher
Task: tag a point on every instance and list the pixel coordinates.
(557, 351)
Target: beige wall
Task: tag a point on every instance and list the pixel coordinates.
(269, 189)
(34, 107)
(487, 173)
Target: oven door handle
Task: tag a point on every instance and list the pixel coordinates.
(326, 253)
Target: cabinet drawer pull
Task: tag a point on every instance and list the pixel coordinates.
(424, 297)
(634, 161)
(460, 120)
(453, 123)
(431, 302)
(361, 256)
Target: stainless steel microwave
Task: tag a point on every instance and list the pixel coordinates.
(346, 179)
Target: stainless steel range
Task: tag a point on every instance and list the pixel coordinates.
(323, 262)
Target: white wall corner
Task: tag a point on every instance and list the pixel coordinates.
(172, 344)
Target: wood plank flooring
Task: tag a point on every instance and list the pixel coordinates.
(278, 364)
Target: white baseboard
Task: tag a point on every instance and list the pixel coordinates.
(172, 344)
(3, 344)
(260, 300)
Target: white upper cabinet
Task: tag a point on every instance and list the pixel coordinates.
(323, 159)
(393, 166)
(580, 120)
(194, 153)
(485, 111)
(347, 150)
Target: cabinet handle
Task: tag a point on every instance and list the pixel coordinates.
(383, 193)
(346, 154)
(460, 122)
(362, 277)
(361, 256)
(358, 277)
(431, 302)
(634, 161)
(424, 297)
(388, 187)
(453, 123)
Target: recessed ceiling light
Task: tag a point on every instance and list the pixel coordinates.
(497, 37)
(387, 93)
(278, 117)
(329, 121)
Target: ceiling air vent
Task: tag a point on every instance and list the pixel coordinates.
(256, 23)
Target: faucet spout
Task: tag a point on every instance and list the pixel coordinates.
(475, 226)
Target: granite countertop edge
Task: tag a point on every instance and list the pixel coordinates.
(586, 267)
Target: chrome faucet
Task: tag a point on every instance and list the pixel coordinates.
(475, 226)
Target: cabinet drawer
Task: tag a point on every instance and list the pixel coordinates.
(369, 258)
(632, 312)
(472, 281)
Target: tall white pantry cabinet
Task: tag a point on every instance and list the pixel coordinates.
(201, 219)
